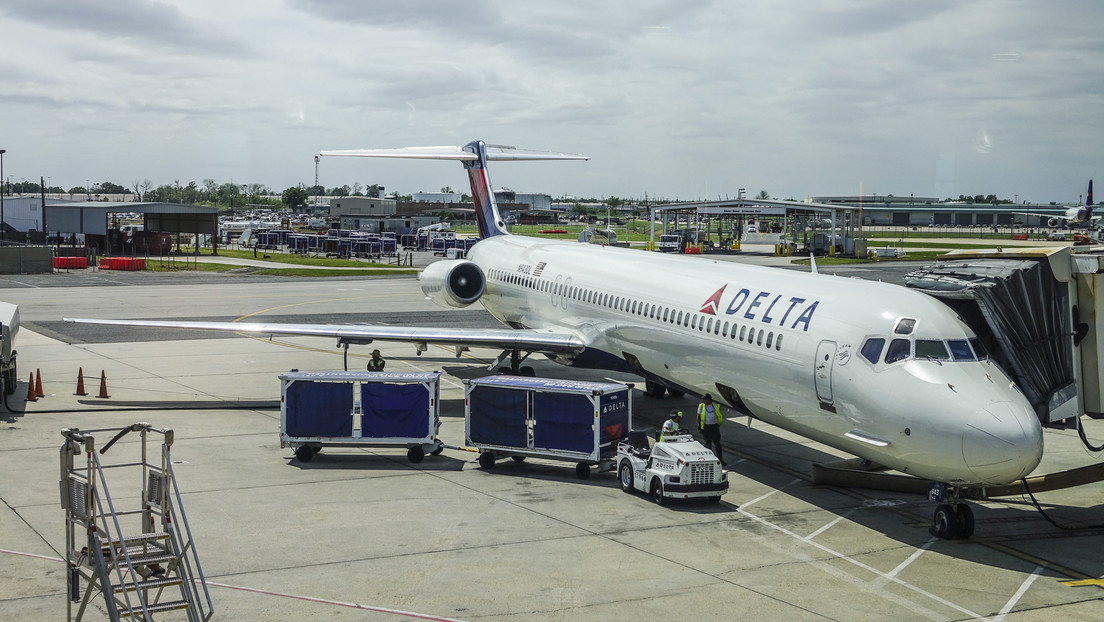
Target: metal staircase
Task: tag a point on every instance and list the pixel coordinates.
(143, 561)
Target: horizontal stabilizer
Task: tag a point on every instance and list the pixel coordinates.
(494, 153)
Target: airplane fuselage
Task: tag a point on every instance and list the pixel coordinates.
(798, 350)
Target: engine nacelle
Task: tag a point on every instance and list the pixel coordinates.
(452, 282)
(1053, 222)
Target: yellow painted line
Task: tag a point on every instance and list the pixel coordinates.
(1084, 582)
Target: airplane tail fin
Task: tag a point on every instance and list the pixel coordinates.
(1088, 198)
(474, 156)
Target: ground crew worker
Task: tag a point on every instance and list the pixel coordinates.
(709, 422)
(376, 363)
(671, 426)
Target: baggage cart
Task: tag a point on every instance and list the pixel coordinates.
(571, 420)
(360, 409)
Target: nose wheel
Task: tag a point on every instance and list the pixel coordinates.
(953, 521)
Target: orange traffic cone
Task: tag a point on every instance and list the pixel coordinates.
(80, 382)
(38, 384)
(103, 384)
(31, 397)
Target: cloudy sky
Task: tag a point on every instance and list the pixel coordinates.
(673, 99)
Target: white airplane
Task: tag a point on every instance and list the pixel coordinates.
(876, 370)
(1076, 216)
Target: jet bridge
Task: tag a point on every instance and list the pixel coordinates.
(1039, 314)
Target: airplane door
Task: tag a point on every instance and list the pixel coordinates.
(822, 370)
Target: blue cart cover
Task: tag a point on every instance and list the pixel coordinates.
(394, 410)
(319, 409)
(497, 417)
(563, 421)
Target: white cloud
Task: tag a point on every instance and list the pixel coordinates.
(669, 99)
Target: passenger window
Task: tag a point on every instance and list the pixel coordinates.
(960, 350)
(759, 340)
(678, 319)
(694, 322)
(872, 349)
(904, 326)
(709, 327)
(664, 314)
(899, 350)
(717, 328)
(778, 342)
(743, 330)
(931, 349)
(770, 337)
(724, 331)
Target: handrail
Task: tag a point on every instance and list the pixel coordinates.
(188, 551)
(118, 536)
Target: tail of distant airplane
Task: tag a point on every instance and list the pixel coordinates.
(1088, 200)
(474, 156)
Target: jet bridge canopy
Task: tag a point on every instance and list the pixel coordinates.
(1037, 312)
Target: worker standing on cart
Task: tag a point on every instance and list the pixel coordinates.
(709, 422)
(671, 426)
(376, 363)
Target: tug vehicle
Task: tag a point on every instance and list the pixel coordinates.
(677, 467)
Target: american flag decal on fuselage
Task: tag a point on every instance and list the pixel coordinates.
(539, 268)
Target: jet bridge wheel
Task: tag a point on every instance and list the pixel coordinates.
(625, 476)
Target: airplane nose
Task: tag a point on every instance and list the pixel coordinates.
(1002, 443)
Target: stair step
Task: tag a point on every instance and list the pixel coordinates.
(145, 559)
(139, 538)
(148, 584)
(170, 605)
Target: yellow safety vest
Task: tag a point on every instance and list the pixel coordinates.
(701, 415)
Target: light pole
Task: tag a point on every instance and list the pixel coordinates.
(3, 190)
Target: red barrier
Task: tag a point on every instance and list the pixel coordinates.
(75, 263)
(1019, 236)
(122, 263)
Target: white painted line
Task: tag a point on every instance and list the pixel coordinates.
(758, 499)
(829, 525)
(311, 599)
(888, 595)
(1018, 595)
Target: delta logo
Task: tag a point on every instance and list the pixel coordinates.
(714, 302)
(764, 306)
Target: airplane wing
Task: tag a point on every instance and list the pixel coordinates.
(493, 152)
(549, 341)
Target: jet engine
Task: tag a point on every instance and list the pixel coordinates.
(452, 282)
(1053, 222)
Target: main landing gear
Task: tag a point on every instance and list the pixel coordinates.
(953, 520)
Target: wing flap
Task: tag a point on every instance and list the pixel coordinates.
(505, 338)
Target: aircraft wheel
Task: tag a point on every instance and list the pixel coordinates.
(487, 460)
(657, 492)
(582, 470)
(944, 522)
(675, 392)
(518, 458)
(527, 371)
(625, 476)
(304, 453)
(964, 524)
(415, 454)
(654, 389)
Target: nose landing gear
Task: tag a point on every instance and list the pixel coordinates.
(953, 520)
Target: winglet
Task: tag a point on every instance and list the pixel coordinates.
(812, 263)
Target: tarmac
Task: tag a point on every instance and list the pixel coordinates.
(364, 534)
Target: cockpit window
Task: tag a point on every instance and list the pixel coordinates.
(931, 349)
(872, 349)
(960, 350)
(979, 348)
(899, 349)
(904, 326)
